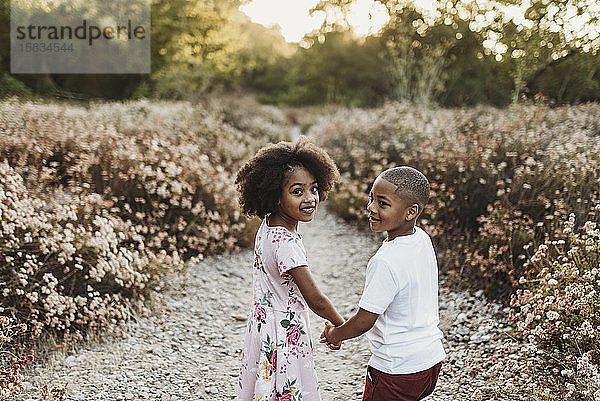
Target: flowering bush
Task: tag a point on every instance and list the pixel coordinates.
(164, 167)
(68, 267)
(12, 362)
(96, 204)
(558, 309)
(500, 179)
(11, 378)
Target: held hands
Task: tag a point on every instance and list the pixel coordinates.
(326, 336)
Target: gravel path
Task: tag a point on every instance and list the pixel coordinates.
(191, 349)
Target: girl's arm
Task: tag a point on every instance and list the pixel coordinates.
(316, 300)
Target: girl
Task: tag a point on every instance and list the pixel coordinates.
(283, 184)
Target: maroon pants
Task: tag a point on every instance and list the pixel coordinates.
(381, 386)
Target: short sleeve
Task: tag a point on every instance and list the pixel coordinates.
(289, 254)
(381, 287)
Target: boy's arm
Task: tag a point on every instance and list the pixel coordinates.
(357, 325)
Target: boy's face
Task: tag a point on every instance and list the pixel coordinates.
(389, 212)
(299, 195)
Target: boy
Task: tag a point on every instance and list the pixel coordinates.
(399, 304)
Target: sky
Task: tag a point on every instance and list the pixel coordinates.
(366, 16)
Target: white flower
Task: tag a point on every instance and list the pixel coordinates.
(587, 329)
(567, 373)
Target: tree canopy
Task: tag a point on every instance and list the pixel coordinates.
(462, 52)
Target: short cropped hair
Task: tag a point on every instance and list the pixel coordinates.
(260, 180)
(411, 184)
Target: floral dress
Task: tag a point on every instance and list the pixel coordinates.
(277, 361)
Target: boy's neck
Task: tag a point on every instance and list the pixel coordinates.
(408, 231)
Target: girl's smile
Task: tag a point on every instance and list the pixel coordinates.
(308, 210)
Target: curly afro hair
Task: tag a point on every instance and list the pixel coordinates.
(260, 180)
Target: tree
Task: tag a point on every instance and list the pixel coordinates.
(338, 68)
(184, 37)
(423, 48)
(429, 57)
(550, 30)
(206, 45)
(571, 79)
(415, 54)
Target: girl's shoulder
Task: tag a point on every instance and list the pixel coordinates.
(280, 234)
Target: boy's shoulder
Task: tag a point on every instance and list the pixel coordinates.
(389, 251)
(407, 241)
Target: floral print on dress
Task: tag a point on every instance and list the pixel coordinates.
(258, 264)
(291, 254)
(269, 365)
(289, 393)
(260, 314)
(293, 327)
(277, 361)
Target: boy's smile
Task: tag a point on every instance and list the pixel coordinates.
(389, 212)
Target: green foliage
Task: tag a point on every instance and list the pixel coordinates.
(467, 71)
(10, 86)
(464, 53)
(142, 91)
(550, 32)
(206, 46)
(574, 80)
(196, 47)
(270, 82)
(111, 86)
(185, 34)
(440, 57)
(415, 55)
(526, 52)
(410, 59)
(336, 69)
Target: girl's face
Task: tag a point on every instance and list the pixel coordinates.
(390, 212)
(299, 195)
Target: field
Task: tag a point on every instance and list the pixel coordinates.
(100, 203)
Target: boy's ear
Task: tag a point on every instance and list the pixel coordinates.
(412, 212)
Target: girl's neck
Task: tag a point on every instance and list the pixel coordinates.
(277, 219)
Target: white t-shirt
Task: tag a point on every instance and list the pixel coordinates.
(402, 287)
